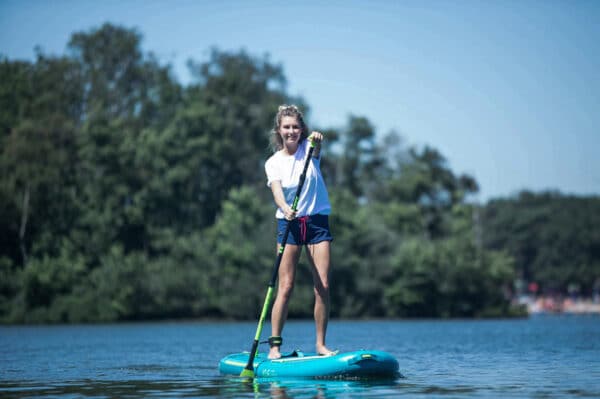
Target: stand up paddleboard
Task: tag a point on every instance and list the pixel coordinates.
(361, 363)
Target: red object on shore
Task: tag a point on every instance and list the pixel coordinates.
(533, 287)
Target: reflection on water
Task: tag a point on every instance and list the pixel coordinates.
(234, 387)
(221, 387)
(321, 389)
(110, 389)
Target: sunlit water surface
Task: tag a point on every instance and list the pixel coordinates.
(545, 356)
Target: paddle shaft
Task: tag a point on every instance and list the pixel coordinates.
(249, 369)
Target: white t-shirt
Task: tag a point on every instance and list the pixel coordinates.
(287, 169)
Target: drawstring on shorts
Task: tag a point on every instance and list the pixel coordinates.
(302, 222)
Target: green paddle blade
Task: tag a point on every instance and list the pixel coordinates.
(247, 373)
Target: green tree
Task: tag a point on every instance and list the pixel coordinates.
(423, 179)
(38, 155)
(553, 238)
(120, 81)
(241, 93)
(128, 97)
(447, 278)
(359, 159)
(243, 248)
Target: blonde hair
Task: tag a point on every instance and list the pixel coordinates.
(286, 110)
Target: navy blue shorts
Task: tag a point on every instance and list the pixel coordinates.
(305, 230)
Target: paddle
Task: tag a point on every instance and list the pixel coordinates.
(248, 371)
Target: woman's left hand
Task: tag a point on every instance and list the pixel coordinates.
(316, 137)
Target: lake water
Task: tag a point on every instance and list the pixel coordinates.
(540, 357)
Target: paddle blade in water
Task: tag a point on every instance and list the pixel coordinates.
(247, 373)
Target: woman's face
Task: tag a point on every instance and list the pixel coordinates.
(290, 130)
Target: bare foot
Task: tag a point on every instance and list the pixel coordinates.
(274, 353)
(323, 351)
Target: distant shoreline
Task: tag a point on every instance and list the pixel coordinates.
(549, 304)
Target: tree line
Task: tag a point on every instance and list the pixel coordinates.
(125, 195)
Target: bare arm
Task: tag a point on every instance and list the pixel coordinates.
(280, 201)
(276, 188)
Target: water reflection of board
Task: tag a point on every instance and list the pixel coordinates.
(362, 363)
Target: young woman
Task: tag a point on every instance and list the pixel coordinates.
(309, 225)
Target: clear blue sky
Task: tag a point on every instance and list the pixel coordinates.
(508, 91)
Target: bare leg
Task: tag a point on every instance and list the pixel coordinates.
(287, 273)
(319, 255)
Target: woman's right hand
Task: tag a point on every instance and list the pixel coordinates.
(289, 213)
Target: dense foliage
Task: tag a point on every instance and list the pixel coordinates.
(125, 195)
(553, 238)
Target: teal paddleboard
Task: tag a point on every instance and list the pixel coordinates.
(361, 363)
